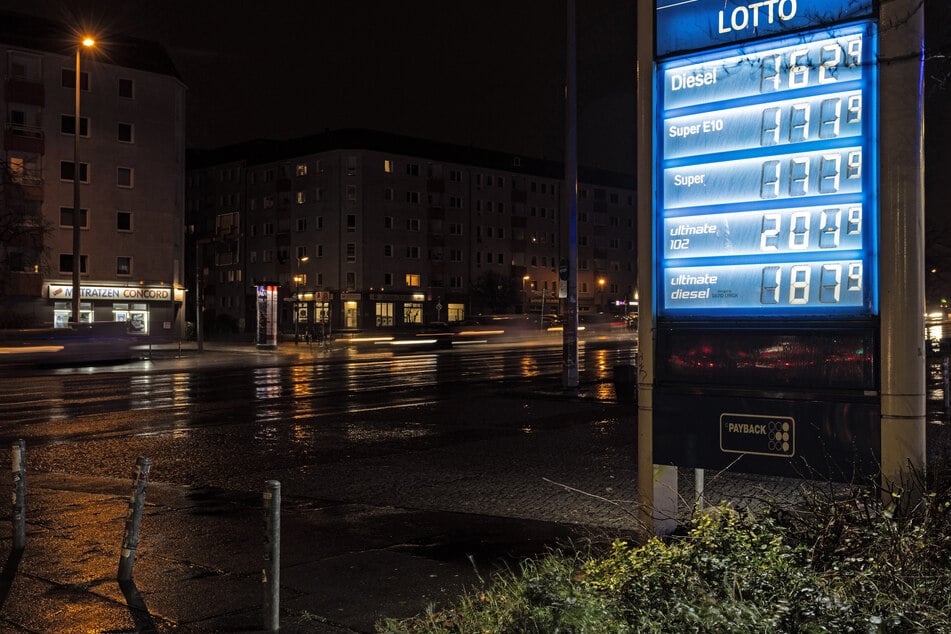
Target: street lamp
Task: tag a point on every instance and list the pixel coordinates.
(88, 42)
(601, 288)
(524, 295)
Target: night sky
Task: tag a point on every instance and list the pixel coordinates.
(488, 73)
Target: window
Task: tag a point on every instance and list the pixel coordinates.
(388, 279)
(67, 125)
(387, 222)
(66, 263)
(455, 176)
(66, 217)
(320, 223)
(67, 169)
(613, 198)
(351, 281)
(412, 252)
(320, 251)
(351, 252)
(269, 228)
(302, 169)
(412, 169)
(388, 250)
(412, 224)
(412, 279)
(125, 132)
(123, 220)
(124, 265)
(388, 193)
(267, 255)
(412, 197)
(455, 202)
(302, 224)
(301, 253)
(499, 259)
(124, 176)
(384, 313)
(455, 255)
(388, 166)
(319, 194)
(68, 79)
(455, 228)
(412, 312)
(126, 88)
(351, 165)
(301, 197)
(351, 223)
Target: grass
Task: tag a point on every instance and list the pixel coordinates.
(832, 565)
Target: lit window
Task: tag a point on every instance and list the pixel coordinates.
(123, 265)
(388, 166)
(412, 279)
(302, 169)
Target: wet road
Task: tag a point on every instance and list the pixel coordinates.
(399, 428)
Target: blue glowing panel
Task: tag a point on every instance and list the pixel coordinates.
(765, 175)
(687, 25)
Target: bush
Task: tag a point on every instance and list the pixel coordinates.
(833, 565)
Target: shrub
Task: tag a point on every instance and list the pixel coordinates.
(832, 565)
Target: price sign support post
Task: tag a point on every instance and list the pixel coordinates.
(765, 185)
(902, 253)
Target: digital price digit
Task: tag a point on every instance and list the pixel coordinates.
(795, 69)
(800, 177)
(799, 283)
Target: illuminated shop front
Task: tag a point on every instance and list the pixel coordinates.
(149, 310)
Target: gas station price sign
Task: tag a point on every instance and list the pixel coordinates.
(766, 173)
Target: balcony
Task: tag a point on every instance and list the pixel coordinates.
(23, 138)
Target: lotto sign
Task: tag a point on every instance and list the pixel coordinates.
(684, 25)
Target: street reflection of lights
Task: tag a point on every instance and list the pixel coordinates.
(267, 382)
(152, 391)
(401, 431)
(369, 339)
(529, 367)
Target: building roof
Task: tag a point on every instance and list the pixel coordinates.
(262, 151)
(30, 32)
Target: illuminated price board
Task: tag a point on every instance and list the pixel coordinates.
(766, 175)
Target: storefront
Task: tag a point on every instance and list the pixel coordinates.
(149, 310)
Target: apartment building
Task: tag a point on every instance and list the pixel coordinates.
(359, 230)
(131, 171)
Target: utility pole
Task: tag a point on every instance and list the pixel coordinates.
(569, 374)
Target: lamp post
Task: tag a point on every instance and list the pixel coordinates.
(88, 42)
(524, 295)
(601, 289)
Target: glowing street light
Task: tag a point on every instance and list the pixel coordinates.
(88, 42)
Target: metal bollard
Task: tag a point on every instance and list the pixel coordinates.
(946, 386)
(18, 460)
(272, 556)
(130, 538)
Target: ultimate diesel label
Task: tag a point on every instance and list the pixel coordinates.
(766, 175)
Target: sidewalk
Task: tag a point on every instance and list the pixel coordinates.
(200, 558)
